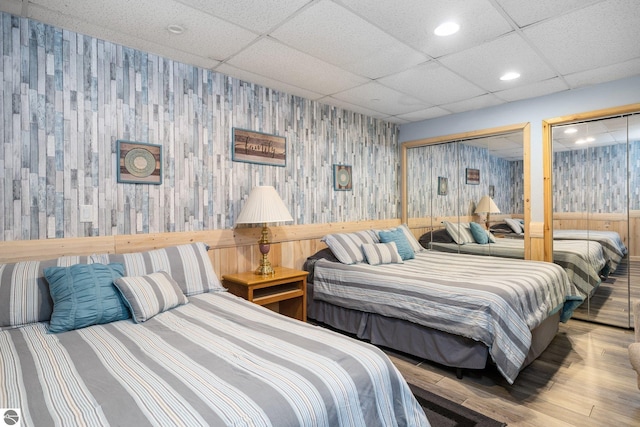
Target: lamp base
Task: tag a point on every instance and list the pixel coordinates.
(265, 268)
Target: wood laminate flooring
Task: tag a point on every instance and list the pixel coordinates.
(583, 379)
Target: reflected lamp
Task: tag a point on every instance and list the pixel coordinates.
(264, 206)
(488, 206)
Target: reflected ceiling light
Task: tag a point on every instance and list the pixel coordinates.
(585, 140)
(175, 29)
(511, 75)
(571, 130)
(446, 29)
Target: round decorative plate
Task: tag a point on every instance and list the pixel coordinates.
(139, 162)
(343, 176)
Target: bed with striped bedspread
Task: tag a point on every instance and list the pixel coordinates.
(217, 360)
(496, 301)
(612, 245)
(582, 260)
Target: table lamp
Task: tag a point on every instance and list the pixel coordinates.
(487, 205)
(263, 206)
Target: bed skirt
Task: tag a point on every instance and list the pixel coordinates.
(431, 344)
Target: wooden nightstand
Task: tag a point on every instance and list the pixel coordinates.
(284, 292)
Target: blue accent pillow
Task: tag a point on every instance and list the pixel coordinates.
(84, 295)
(402, 244)
(479, 234)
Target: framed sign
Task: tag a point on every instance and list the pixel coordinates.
(257, 147)
(139, 163)
(473, 176)
(443, 186)
(342, 178)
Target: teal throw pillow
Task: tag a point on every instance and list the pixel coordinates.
(402, 244)
(479, 234)
(84, 295)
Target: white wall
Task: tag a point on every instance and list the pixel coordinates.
(534, 111)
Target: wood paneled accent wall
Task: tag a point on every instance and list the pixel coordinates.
(232, 250)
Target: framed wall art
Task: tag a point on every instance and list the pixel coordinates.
(473, 176)
(342, 178)
(139, 163)
(257, 147)
(443, 186)
(492, 191)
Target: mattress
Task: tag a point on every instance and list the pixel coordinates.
(582, 260)
(497, 303)
(217, 360)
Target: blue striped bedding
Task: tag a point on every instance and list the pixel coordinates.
(612, 245)
(581, 259)
(496, 301)
(217, 360)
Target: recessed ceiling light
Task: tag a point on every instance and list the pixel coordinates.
(580, 141)
(571, 130)
(511, 75)
(175, 29)
(446, 29)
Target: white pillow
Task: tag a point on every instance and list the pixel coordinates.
(460, 232)
(515, 225)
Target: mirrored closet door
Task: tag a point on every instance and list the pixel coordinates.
(478, 177)
(596, 201)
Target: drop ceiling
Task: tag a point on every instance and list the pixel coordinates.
(376, 57)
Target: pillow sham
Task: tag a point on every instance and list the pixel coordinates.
(479, 234)
(149, 295)
(189, 265)
(381, 253)
(515, 225)
(437, 236)
(84, 295)
(347, 247)
(24, 291)
(460, 232)
(402, 244)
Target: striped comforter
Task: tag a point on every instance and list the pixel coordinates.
(582, 260)
(496, 301)
(612, 245)
(217, 360)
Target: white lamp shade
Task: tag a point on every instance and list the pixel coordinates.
(263, 205)
(487, 205)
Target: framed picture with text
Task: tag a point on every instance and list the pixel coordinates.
(257, 147)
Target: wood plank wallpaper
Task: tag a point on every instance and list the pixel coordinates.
(67, 98)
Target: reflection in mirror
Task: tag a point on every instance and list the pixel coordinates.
(595, 205)
(446, 181)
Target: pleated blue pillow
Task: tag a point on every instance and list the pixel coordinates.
(84, 295)
(479, 234)
(402, 243)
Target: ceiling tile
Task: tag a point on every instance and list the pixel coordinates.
(482, 101)
(329, 100)
(429, 113)
(414, 22)
(483, 65)
(11, 6)
(433, 84)
(282, 63)
(266, 82)
(602, 34)
(604, 74)
(124, 16)
(337, 36)
(256, 15)
(532, 90)
(380, 98)
(527, 12)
